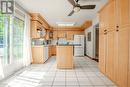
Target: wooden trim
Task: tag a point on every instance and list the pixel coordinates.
(40, 19)
(67, 29)
(86, 24)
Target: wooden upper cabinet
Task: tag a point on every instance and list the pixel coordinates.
(34, 26)
(62, 34)
(122, 8)
(103, 18)
(38, 17)
(111, 8)
(37, 22)
(107, 16)
(55, 33)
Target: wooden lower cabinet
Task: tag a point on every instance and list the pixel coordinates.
(49, 51)
(110, 54)
(53, 50)
(38, 54)
(123, 55)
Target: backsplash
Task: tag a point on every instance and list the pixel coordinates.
(38, 42)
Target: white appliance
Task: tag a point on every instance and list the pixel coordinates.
(79, 50)
(46, 53)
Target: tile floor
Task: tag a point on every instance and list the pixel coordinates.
(85, 74)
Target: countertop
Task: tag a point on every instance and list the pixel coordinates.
(56, 45)
(69, 45)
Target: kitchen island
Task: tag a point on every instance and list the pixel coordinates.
(64, 56)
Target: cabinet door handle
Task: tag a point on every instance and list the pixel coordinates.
(117, 26)
(105, 30)
(117, 30)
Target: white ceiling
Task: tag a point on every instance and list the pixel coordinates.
(57, 10)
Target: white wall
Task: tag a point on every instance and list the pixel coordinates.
(90, 45)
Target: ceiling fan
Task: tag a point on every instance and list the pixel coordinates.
(77, 7)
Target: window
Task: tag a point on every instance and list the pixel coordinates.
(18, 37)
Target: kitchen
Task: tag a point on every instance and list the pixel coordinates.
(46, 41)
(65, 43)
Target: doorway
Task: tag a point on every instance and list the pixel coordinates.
(97, 41)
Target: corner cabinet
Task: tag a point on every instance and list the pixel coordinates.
(38, 26)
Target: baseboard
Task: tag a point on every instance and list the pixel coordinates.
(92, 58)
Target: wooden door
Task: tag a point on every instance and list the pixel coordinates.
(122, 7)
(123, 54)
(102, 52)
(110, 55)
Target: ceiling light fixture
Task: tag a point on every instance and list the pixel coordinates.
(65, 23)
(76, 9)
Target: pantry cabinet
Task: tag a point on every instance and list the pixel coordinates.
(102, 52)
(114, 45)
(110, 54)
(123, 55)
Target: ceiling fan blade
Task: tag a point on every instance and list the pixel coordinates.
(77, 1)
(88, 7)
(72, 2)
(70, 14)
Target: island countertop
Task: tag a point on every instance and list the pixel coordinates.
(69, 45)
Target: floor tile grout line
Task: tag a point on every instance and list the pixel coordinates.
(54, 78)
(88, 78)
(77, 78)
(65, 78)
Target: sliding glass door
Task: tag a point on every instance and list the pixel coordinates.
(11, 39)
(18, 37)
(4, 39)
